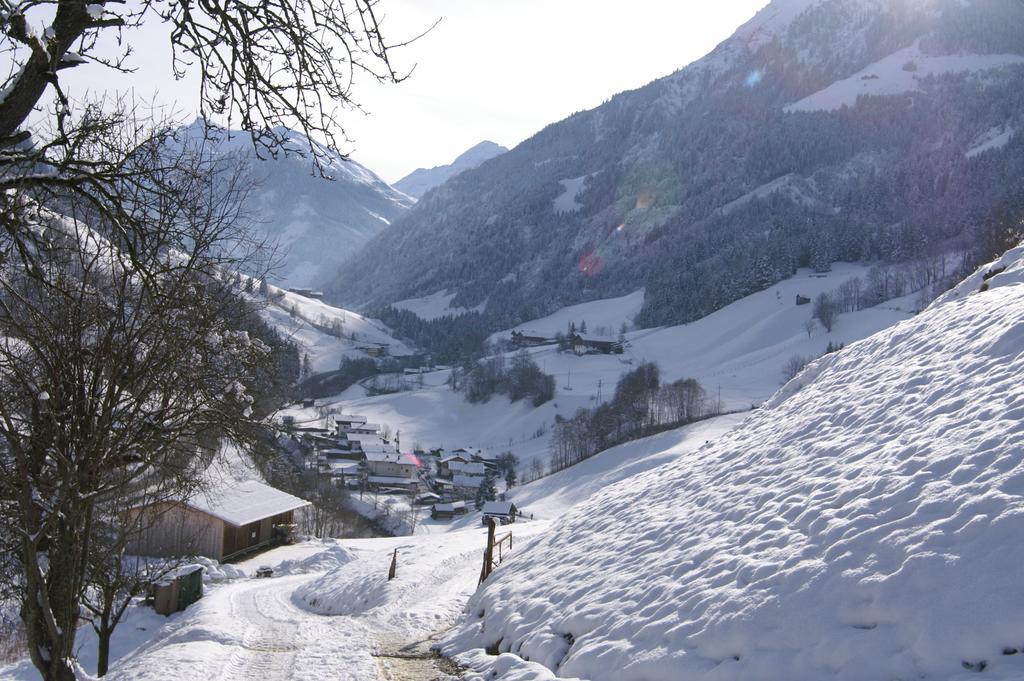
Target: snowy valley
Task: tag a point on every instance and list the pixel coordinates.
(719, 380)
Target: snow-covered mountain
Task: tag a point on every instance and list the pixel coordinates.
(316, 222)
(821, 131)
(422, 180)
(863, 524)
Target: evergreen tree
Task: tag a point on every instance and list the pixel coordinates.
(486, 491)
(510, 478)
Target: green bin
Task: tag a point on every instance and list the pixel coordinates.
(190, 585)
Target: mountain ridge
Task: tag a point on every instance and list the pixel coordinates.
(316, 221)
(886, 179)
(420, 181)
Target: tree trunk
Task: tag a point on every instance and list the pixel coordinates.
(103, 655)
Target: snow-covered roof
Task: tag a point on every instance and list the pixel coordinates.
(390, 480)
(450, 507)
(363, 437)
(343, 467)
(498, 508)
(475, 468)
(245, 502)
(391, 457)
(348, 418)
(470, 481)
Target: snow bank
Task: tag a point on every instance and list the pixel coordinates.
(331, 557)
(214, 571)
(865, 527)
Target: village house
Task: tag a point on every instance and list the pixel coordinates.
(504, 512)
(392, 469)
(448, 511)
(345, 422)
(374, 349)
(473, 468)
(523, 340)
(466, 483)
(594, 345)
(220, 523)
(444, 466)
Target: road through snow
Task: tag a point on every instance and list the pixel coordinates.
(333, 615)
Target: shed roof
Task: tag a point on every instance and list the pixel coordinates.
(498, 508)
(466, 481)
(450, 507)
(245, 502)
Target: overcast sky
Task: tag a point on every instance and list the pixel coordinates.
(492, 69)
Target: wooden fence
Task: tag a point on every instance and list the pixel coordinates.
(490, 562)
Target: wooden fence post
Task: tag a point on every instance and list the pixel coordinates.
(489, 551)
(394, 565)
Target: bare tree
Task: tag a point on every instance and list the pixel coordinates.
(809, 326)
(121, 365)
(793, 366)
(825, 311)
(269, 64)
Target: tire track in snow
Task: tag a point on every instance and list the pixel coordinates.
(269, 644)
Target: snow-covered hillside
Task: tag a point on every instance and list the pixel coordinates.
(316, 222)
(902, 71)
(311, 324)
(434, 306)
(863, 525)
(740, 350)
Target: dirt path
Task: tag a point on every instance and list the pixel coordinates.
(403, 661)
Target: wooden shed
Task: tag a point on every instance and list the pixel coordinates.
(503, 511)
(220, 523)
(448, 511)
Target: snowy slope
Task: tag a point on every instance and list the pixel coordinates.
(603, 317)
(900, 72)
(316, 222)
(420, 181)
(434, 306)
(739, 350)
(863, 525)
(312, 319)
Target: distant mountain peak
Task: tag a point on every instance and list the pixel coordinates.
(318, 222)
(420, 181)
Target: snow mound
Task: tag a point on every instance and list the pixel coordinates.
(214, 571)
(865, 524)
(332, 557)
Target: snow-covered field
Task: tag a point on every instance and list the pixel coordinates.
(740, 350)
(900, 72)
(603, 317)
(864, 524)
(434, 306)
